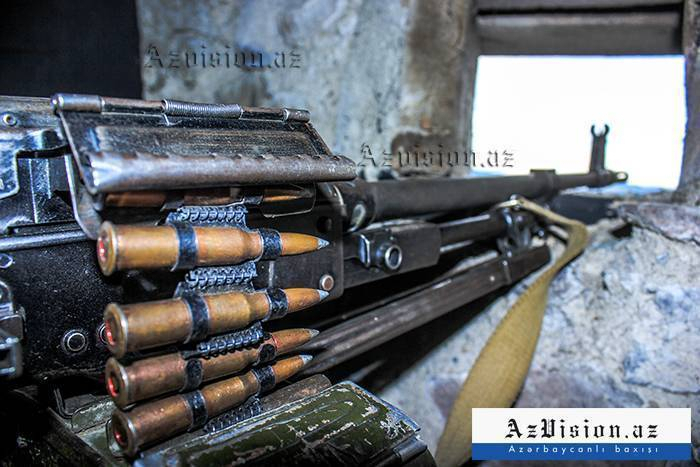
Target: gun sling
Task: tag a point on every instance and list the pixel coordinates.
(500, 369)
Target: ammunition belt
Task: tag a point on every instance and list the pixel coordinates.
(234, 214)
(220, 276)
(248, 410)
(198, 407)
(226, 343)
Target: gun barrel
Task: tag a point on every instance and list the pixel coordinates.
(392, 199)
(151, 377)
(193, 317)
(184, 247)
(159, 420)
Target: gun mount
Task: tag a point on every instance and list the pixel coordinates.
(192, 225)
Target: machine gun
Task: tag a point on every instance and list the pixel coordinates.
(175, 236)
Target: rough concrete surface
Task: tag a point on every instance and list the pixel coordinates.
(690, 172)
(371, 73)
(674, 221)
(622, 329)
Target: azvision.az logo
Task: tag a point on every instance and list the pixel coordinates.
(581, 434)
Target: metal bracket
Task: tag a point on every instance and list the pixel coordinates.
(518, 236)
(129, 145)
(10, 355)
(11, 334)
(16, 140)
(60, 403)
(379, 249)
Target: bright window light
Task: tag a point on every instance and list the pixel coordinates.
(540, 109)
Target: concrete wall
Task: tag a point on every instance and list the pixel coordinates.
(387, 74)
(690, 173)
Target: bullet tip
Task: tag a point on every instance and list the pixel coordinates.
(306, 358)
(313, 333)
(321, 243)
(322, 294)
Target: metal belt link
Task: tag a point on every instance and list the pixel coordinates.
(500, 369)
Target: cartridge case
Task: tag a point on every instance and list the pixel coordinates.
(145, 378)
(136, 199)
(152, 324)
(185, 247)
(152, 247)
(147, 424)
(191, 318)
(204, 197)
(155, 421)
(150, 377)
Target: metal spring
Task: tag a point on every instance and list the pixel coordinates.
(234, 214)
(193, 109)
(226, 343)
(219, 276)
(249, 410)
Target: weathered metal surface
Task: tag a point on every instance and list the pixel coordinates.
(343, 425)
(138, 169)
(579, 27)
(369, 330)
(60, 289)
(393, 199)
(583, 207)
(393, 248)
(26, 125)
(124, 145)
(564, 5)
(11, 333)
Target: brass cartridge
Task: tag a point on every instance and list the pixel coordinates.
(193, 317)
(156, 421)
(204, 197)
(151, 377)
(184, 246)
